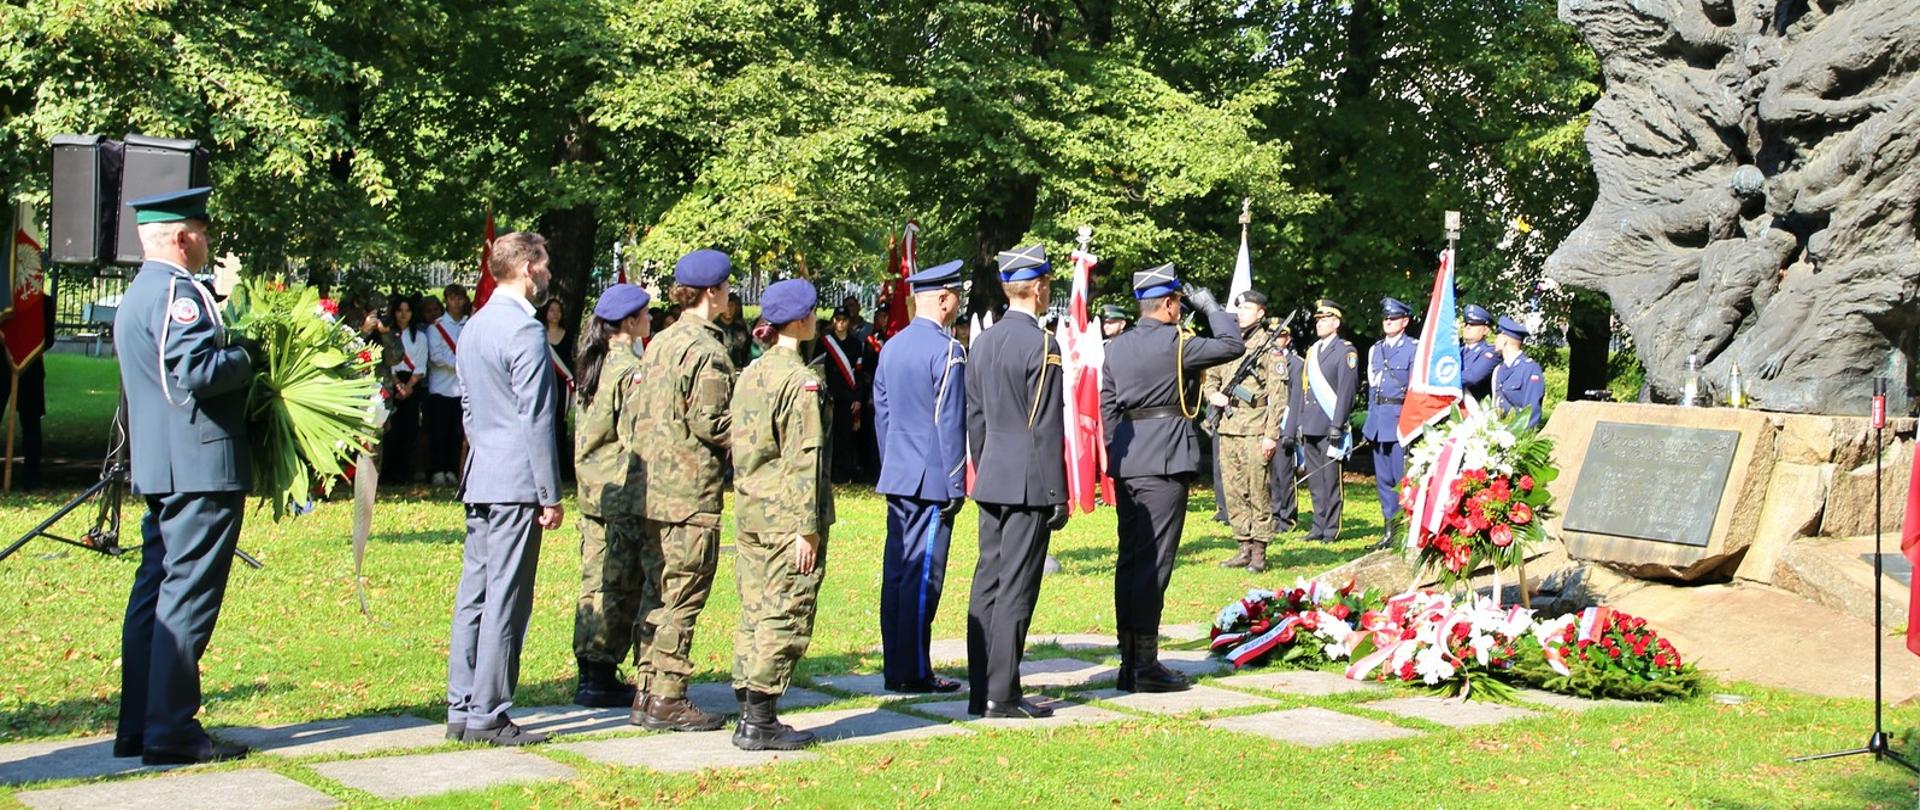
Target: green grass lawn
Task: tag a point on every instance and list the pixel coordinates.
(292, 646)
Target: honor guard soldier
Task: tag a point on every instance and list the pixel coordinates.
(612, 558)
(780, 470)
(1113, 321)
(686, 381)
(1016, 434)
(1285, 467)
(1389, 372)
(186, 393)
(1324, 400)
(1477, 356)
(1149, 398)
(919, 402)
(1248, 436)
(1519, 384)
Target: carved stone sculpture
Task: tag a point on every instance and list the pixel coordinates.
(1759, 181)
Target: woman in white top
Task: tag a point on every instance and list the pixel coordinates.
(406, 354)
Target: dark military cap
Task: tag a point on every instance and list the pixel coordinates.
(620, 302)
(784, 302)
(1251, 297)
(941, 277)
(1156, 282)
(702, 268)
(1024, 263)
(1326, 308)
(172, 206)
(840, 312)
(1394, 308)
(1114, 313)
(1478, 315)
(1512, 328)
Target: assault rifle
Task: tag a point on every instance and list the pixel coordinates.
(1248, 362)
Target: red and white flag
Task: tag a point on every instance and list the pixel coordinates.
(483, 289)
(1435, 384)
(905, 261)
(1910, 547)
(1081, 353)
(24, 321)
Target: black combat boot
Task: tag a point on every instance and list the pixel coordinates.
(1126, 683)
(1149, 675)
(600, 686)
(1257, 561)
(760, 729)
(740, 697)
(1240, 560)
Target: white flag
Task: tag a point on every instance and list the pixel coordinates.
(1242, 273)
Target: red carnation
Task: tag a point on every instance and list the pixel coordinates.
(366, 355)
(1501, 535)
(1520, 514)
(1500, 489)
(329, 306)
(1526, 483)
(1613, 651)
(1341, 612)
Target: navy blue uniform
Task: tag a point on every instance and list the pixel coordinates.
(1389, 370)
(1322, 426)
(1477, 360)
(1520, 385)
(186, 418)
(919, 403)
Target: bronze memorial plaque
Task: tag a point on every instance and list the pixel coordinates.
(1652, 482)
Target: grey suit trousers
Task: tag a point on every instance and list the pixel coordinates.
(490, 612)
(186, 553)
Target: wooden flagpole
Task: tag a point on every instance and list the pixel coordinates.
(13, 407)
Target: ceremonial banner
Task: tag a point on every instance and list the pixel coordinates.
(483, 289)
(904, 261)
(1242, 272)
(1082, 352)
(1435, 385)
(24, 321)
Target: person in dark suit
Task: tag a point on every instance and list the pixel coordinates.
(508, 401)
(919, 403)
(1285, 483)
(1389, 373)
(1149, 396)
(1324, 399)
(186, 391)
(1016, 434)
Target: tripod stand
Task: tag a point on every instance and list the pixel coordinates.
(115, 474)
(1877, 744)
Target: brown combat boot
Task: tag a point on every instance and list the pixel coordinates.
(1257, 561)
(676, 714)
(1239, 560)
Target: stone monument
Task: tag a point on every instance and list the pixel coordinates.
(1759, 182)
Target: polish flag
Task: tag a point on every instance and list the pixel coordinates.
(1082, 352)
(483, 289)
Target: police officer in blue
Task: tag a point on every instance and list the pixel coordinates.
(1149, 396)
(1389, 371)
(1519, 384)
(919, 403)
(1323, 398)
(1477, 356)
(1016, 433)
(186, 391)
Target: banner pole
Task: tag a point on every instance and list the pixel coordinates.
(13, 406)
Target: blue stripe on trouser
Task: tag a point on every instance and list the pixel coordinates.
(913, 574)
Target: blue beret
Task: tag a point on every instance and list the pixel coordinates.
(1512, 328)
(1024, 263)
(1156, 282)
(1394, 308)
(1478, 315)
(620, 302)
(172, 206)
(942, 277)
(784, 302)
(702, 268)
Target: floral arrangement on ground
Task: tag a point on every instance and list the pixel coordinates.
(1470, 647)
(1476, 492)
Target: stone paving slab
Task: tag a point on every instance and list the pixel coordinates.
(349, 735)
(869, 725)
(1304, 682)
(1193, 663)
(1089, 642)
(942, 650)
(1451, 712)
(1065, 713)
(1569, 703)
(252, 788)
(678, 751)
(432, 774)
(81, 758)
(869, 685)
(1313, 727)
(1185, 632)
(571, 719)
(1063, 672)
(717, 698)
(1197, 699)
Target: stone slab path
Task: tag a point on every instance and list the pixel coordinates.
(432, 774)
(352, 735)
(82, 758)
(1197, 699)
(1065, 713)
(866, 685)
(1050, 672)
(252, 788)
(869, 725)
(1449, 712)
(673, 753)
(1313, 727)
(1304, 682)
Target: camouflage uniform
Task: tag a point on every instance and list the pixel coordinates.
(615, 566)
(781, 472)
(1243, 466)
(680, 433)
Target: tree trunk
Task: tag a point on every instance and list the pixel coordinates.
(571, 247)
(996, 230)
(1589, 335)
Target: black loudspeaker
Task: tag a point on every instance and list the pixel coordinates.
(154, 166)
(86, 198)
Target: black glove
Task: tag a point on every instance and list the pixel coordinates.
(1059, 519)
(1288, 444)
(951, 508)
(256, 354)
(1203, 301)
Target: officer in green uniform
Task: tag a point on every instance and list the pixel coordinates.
(612, 558)
(681, 435)
(1249, 433)
(780, 456)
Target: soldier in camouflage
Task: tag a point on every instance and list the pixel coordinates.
(1249, 433)
(781, 458)
(612, 564)
(681, 435)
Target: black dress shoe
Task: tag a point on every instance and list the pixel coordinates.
(456, 730)
(204, 751)
(925, 686)
(509, 734)
(1023, 709)
(124, 747)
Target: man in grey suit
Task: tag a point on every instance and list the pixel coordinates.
(186, 395)
(507, 401)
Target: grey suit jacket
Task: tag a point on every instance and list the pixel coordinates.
(508, 404)
(186, 390)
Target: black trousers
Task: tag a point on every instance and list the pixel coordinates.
(1323, 485)
(1284, 489)
(1006, 586)
(444, 434)
(403, 436)
(186, 553)
(1152, 512)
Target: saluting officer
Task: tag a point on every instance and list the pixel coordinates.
(919, 402)
(1149, 395)
(1324, 400)
(1518, 383)
(1389, 371)
(1477, 357)
(1248, 437)
(187, 423)
(1016, 433)
(780, 468)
